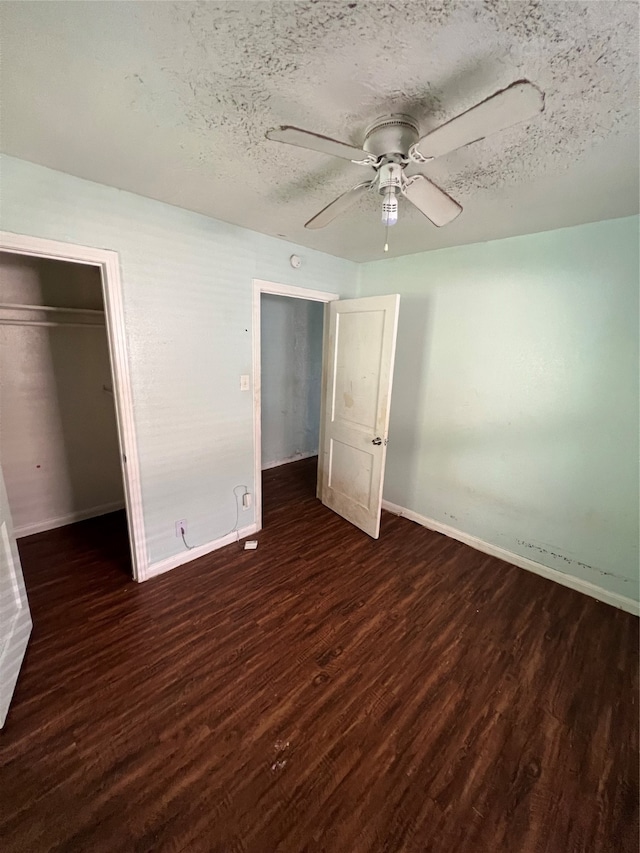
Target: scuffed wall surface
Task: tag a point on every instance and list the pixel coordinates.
(187, 301)
(291, 342)
(515, 404)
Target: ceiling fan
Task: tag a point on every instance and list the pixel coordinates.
(392, 142)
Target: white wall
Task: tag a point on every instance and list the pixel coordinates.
(291, 343)
(58, 437)
(515, 405)
(187, 283)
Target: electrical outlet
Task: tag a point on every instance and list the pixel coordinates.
(181, 528)
(246, 500)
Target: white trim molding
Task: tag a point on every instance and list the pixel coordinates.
(597, 592)
(259, 287)
(198, 551)
(67, 518)
(294, 292)
(109, 265)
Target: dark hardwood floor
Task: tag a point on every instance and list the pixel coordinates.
(324, 693)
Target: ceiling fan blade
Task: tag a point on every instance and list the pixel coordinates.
(516, 103)
(430, 200)
(338, 205)
(316, 142)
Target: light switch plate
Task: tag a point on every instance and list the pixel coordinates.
(244, 382)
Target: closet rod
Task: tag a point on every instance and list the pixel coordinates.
(21, 307)
(4, 322)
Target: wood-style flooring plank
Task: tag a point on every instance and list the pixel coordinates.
(326, 693)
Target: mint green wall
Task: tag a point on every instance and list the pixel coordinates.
(515, 402)
(187, 298)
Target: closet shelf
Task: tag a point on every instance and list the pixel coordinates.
(7, 322)
(15, 306)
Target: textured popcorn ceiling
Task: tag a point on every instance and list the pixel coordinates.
(172, 101)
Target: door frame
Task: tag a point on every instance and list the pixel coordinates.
(108, 263)
(259, 287)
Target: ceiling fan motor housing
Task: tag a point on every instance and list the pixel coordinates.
(391, 134)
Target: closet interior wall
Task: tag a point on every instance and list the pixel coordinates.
(58, 435)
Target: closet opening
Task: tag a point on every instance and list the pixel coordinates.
(60, 451)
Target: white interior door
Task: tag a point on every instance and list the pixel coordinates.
(15, 618)
(358, 376)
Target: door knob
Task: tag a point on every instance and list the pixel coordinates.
(376, 441)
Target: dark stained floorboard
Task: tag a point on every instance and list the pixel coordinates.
(324, 693)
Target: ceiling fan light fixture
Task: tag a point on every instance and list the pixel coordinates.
(389, 208)
(389, 184)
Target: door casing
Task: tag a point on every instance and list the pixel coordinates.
(108, 263)
(260, 287)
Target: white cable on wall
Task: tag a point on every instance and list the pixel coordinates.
(234, 529)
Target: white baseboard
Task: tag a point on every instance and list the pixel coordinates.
(199, 551)
(69, 518)
(616, 600)
(289, 459)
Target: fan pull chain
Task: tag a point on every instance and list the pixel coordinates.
(386, 238)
